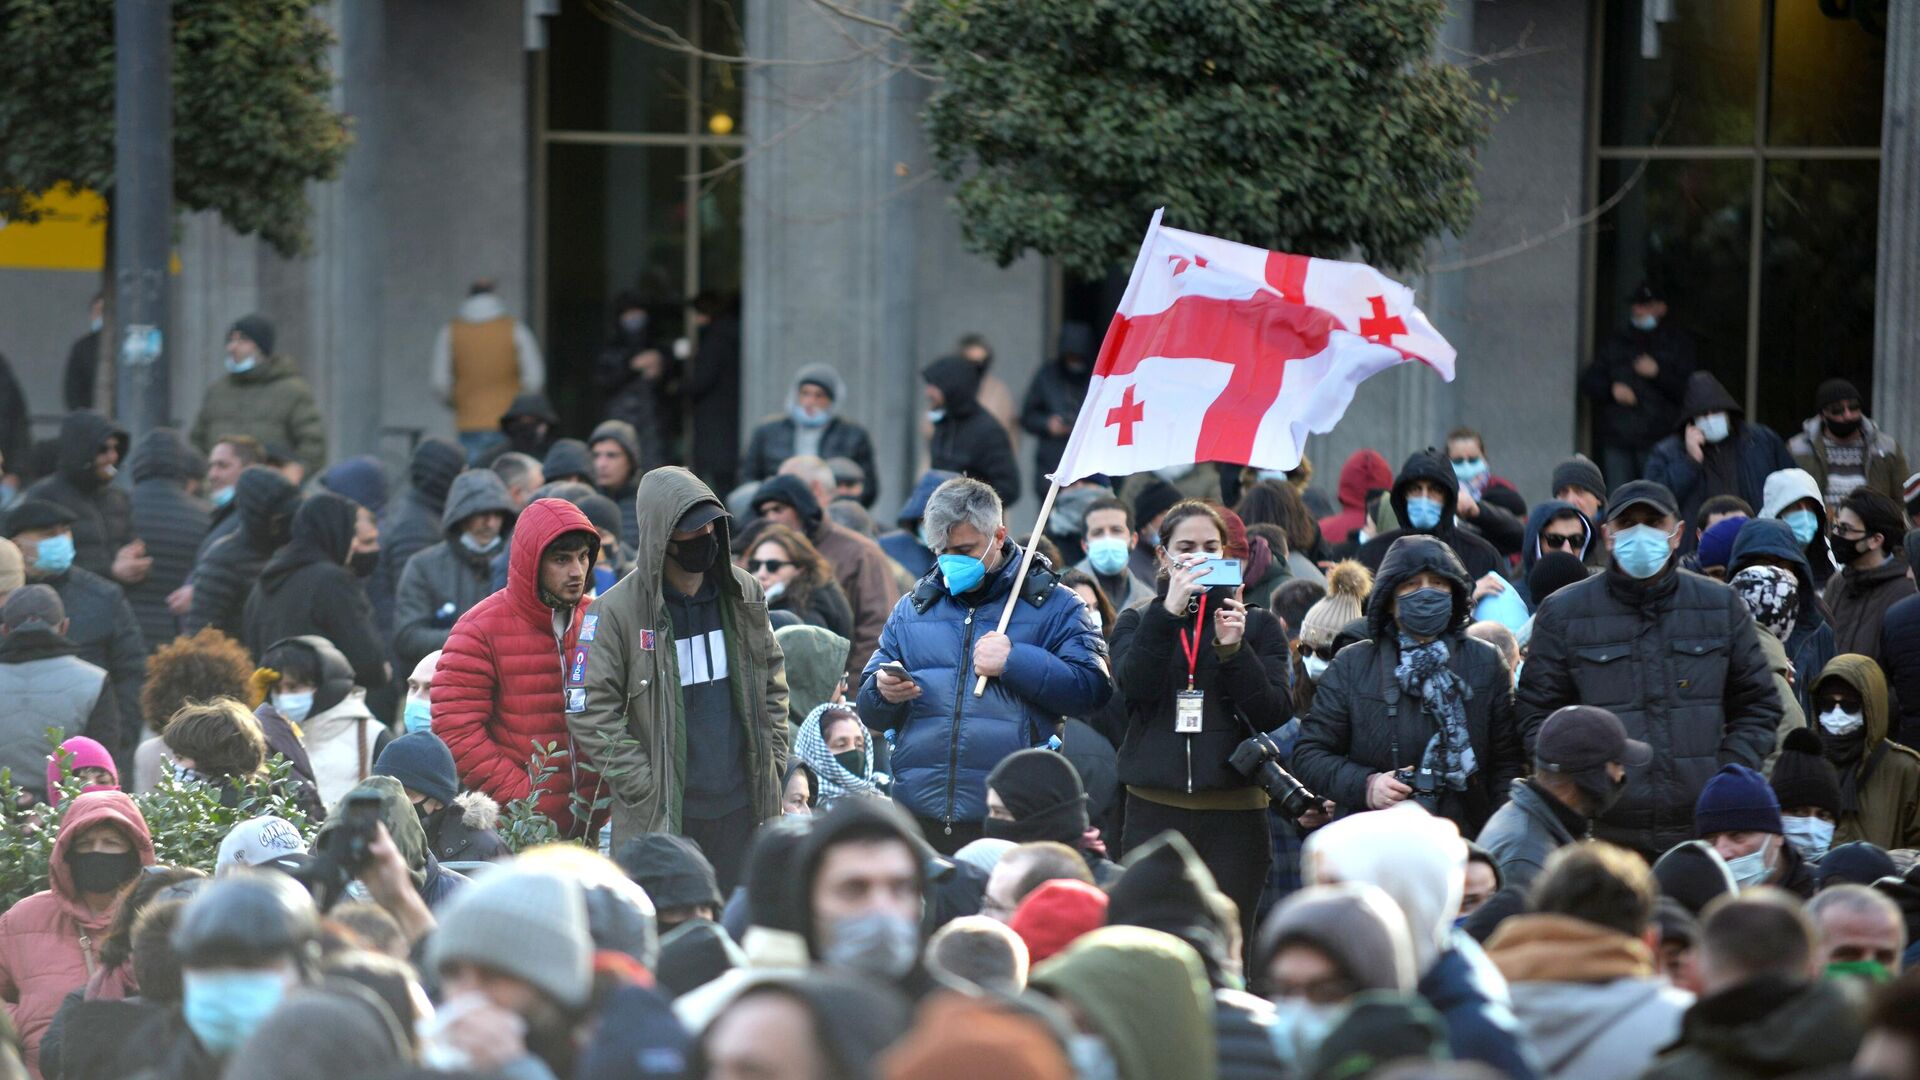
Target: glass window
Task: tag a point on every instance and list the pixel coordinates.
(1684, 227)
(719, 209)
(604, 78)
(1690, 67)
(1816, 284)
(1826, 77)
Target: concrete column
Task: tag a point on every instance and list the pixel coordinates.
(852, 256)
(1896, 331)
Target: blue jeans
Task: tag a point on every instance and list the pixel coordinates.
(477, 443)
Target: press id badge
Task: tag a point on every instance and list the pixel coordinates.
(1186, 712)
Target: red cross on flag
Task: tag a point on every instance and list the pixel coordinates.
(1224, 352)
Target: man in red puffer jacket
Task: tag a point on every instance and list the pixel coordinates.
(502, 683)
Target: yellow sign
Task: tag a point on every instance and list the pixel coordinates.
(70, 235)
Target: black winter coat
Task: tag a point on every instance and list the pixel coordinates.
(1055, 391)
(306, 588)
(1737, 465)
(633, 397)
(1477, 555)
(772, 443)
(712, 387)
(1859, 601)
(1247, 691)
(263, 503)
(412, 522)
(106, 634)
(1364, 723)
(826, 606)
(1656, 410)
(16, 421)
(1677, 659)
(968, 440)
(171, 523)
(1900, 659)
(103, 513)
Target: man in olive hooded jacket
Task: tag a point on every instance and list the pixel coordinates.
(682, 696)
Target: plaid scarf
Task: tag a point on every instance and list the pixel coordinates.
(835, 781)
(1423, 672)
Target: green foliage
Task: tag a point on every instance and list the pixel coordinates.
(252, 123)
(186, 819)
(1313, 126)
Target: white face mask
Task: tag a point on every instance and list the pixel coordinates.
(1837, 722)
(1810, 836)
(294, 705)
(1752, 868)
(1714, 427)
(1313, 665)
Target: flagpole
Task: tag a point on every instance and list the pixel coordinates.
(1071, 454)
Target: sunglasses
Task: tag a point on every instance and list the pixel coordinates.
(771, 566)
(1553, 540)
(1324, 652)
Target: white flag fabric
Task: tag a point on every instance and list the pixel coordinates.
(1225, 352)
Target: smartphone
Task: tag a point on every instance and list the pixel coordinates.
(1221, 572)
(357, 822)
(895, 669)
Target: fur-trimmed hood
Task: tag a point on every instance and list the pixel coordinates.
(477, 810)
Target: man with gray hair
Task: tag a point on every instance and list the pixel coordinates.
(1050, 662)
(1861, 931)
(521, 473)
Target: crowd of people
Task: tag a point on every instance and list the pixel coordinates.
(1237, 775)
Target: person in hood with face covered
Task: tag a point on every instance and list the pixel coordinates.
(443, 582)
(311, 687)
(1879, 778)
(966, 438)
(512, 665)
(1809, 636)
(310, 587)
(47, 940)
(91, 452)
(1867, 534)
(837, 747)
(1319, 949)
(1552, 525)
(631, 374)
(1594, 640)
(1843, 449)
(1054, 398)
(1793, 496)
(262, 395)
(1773, 596)
(1050, 662)
(680, 690)
(1424, 497)
(224, 574)
(811, 427)
(860, 879)
(1638, 381)
(1421, 712)
(1716, 450)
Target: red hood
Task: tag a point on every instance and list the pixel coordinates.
(84, 812)
(540, 524)
(1364, 471)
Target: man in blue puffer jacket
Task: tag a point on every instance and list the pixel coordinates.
(1051, 662)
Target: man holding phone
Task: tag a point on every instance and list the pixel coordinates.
(1051, 662)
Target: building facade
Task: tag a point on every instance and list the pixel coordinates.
(1754, 157)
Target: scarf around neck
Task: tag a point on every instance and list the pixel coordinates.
(1423, 672)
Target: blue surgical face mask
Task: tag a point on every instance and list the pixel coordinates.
(418, 715)
(1642, 551)
(1300, 1026)
(1108, 554)
(809, 419)
(55, 554)
(236, 367)
(1751, 869)
(467, 541)
(934, 416)
(223, 1007)
(1805, 525)
(1714, 427)
(1091, 1059)
(1468, 471)
(962, 573)
(1644, 323)
(221, 497)
(1423, 513)
(294, 705)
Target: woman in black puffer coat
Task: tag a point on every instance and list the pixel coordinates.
(1421, 693)
(1241, 666)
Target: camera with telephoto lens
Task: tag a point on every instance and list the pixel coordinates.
(342, 853)
(1258, 759)
(1425, 785)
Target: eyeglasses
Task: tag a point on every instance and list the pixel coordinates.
(1556, 540)
(1847, 532)
(771, 566)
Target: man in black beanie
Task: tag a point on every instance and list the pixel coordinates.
(1150, 505)
(1809, 792)
(1845, 450)
(1037, 795)
(262, 395)
(1577, 480)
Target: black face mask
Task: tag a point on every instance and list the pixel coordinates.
(697, 554)
(1065, 823)
(364, 563)
(102, 871)
(1843, 429)
(1600, 789)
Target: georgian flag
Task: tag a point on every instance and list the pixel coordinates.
(1224, 352)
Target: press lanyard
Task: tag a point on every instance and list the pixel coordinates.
(1192, 646)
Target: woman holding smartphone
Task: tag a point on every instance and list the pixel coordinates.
(1201, 673)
